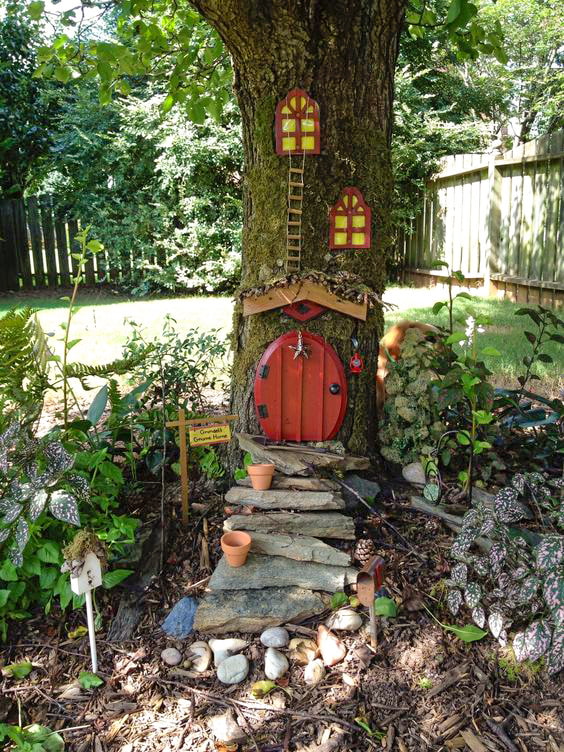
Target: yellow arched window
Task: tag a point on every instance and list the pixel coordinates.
(297, 124)
(350, 221)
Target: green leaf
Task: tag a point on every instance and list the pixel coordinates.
(98, 405)
(88, 680)
(468, 633)
(455, 338)
(50, 552)
(113, 578)
(35, 9)
(338, 600)
(262, 688)
(438, 306)
(385, 607)
(8, 572)
(18, 670)
(168, 103)
(94, 246)
(483, 417)
(49, 740)
(454, 11)
(463, 438)
(491, 352)
(431, 492)
(4, 595)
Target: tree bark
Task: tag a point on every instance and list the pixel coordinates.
(343, 53)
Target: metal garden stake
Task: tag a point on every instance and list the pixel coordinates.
(368, 581)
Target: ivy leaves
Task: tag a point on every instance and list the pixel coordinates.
(30, 489)
(521, 577)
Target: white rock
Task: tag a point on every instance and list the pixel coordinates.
(414, 474)
(225, 728)
(233, 670)
(223, 649)
(200, 655)
(275, 637)
(171, 656)
(314, 672)
(275, 664)
(346, 620)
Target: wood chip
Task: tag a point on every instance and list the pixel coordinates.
(472, 741)
(451, 678)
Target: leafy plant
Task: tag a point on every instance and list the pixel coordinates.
(521, 578)
(34, 738)
(241, 472)
(88, 680)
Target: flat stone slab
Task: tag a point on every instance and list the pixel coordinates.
(228, 611)
(298, 460)
(277, 571)
(300, 500)
(298, 547)
(295, 482)
(317, 524)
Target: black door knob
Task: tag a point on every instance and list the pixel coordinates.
(335, 388)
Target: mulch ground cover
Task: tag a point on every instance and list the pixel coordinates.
(422, 689)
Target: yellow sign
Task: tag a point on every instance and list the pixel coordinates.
(218, 434)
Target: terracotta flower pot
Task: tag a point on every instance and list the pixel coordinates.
(261, 476)
(235, 546)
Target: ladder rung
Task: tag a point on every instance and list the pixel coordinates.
(299, 170)
(293, 197)
(294, 251)
(293, 184)
(292, 223)
(294, 237)
(291, 210)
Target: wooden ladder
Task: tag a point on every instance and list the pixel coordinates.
(294, 233)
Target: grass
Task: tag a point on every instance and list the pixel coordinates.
(505, 334)
(101, 324)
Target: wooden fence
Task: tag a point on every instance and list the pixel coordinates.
(499, 219)
(36, 245)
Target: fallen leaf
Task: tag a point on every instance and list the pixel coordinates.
(222, 747)
(248, 509)
(17, 670)
(229, 511)
(283, 681)
(302, 650)
(332, 649)
(74, 634)
(262, 688)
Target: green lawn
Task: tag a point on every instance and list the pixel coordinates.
(101, 323)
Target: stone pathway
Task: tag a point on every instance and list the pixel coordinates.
(289, 569)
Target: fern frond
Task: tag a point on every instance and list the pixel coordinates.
(115, 368)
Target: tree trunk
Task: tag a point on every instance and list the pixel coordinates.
(343, 54)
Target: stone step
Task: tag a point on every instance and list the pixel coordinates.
(300, 500)
(298, 547)
(296, 483)
(277, 571)
(316, 524)
(298, 459)
(228, 611)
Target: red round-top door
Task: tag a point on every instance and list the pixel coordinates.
(300, 389)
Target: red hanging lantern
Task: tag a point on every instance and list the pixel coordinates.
(356, 363)
(350, 221)
(297, 124)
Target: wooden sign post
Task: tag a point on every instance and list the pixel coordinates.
(201, 434)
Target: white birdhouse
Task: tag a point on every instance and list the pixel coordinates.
(88, 577)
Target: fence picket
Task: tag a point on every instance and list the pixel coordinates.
(34, 226)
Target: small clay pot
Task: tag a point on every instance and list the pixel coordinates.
(261, 475)
(235, 546)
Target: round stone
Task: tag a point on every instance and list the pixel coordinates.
(222, 649)
(346, 620)
(233, 670)
(171, 656)
(275, 637)
(275, 664)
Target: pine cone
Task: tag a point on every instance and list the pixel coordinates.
(364, 550)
